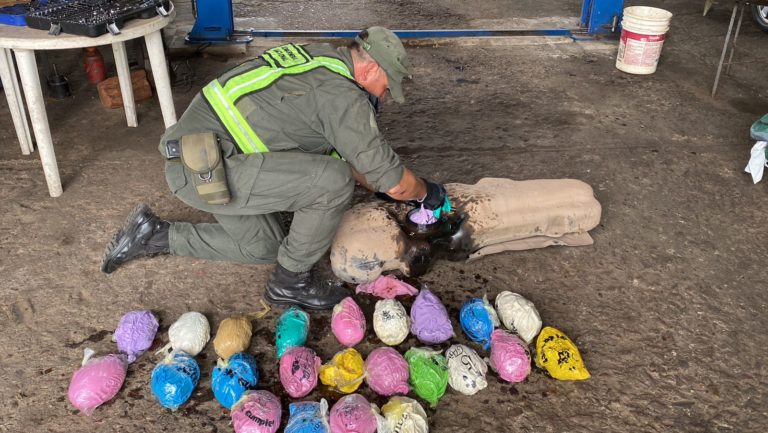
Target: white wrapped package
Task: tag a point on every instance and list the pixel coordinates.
(757, 161)
(390, 322)
(467, 370)
(189, 334)
(403, 415)
(519, 315)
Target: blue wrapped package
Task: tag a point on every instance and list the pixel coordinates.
(233, 377)
(308, 417)
(478, 319)
(292, 329)
(174, 379)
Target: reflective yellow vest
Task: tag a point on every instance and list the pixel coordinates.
(284, 60)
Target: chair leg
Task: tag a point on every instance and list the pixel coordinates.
(725, 49)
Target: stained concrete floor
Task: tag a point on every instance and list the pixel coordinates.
(668, 307)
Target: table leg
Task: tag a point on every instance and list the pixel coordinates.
(30, 81)
(15, 103)
(126, 85)
(725, 48)
(162, 80)
(735, 37)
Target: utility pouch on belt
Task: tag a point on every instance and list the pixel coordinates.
(201, 154)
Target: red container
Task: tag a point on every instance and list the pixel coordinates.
(94, 65)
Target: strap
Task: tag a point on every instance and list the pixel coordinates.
(233, 120)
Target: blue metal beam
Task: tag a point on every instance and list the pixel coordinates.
(414, 34)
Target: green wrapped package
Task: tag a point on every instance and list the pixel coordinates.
(428, 373)
(759, 130)
(292, 329)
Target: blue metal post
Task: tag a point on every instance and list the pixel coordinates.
(600, 16)
(215, 23)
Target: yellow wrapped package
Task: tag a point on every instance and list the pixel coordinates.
(344, 372)
(233, 336)
(556, 353)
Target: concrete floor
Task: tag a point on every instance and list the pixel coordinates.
(668, 307)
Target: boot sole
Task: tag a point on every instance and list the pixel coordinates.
(288, 301)
(127, 231)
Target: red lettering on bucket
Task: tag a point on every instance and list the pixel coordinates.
(636, 49)
(626, 34)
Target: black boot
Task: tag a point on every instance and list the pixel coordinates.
(143, 235)
(306, 289)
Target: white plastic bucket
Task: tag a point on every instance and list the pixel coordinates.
(643, 30)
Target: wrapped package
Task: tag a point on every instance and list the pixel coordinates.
(386, 372)
(348, 322)
(509, 356)
(467, 370)
(97, 381)
(405, 415)
(429, 319)
(428, 373)
(174, 379)
(387, 287)
(478, 320)
(559, 356)
(135, 333)
(390, 322)
(257, 412)
(519, 315)
(308, 417)
(233, 336)
(345, 372)
(292, 330)
(189, 334)
(353, 414)
(232, 378)
(298, 371)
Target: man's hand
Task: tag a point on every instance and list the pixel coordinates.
(431, 195)
(410, 187)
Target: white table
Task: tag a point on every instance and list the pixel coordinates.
(23, 41)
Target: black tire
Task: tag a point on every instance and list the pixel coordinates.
(760, 14)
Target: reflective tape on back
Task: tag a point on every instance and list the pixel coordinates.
(223, 98)
(233, 120)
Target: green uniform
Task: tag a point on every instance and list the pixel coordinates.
(301, 119)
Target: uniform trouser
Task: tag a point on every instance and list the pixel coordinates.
(316, 188)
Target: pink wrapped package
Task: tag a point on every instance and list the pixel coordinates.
(429, 319)
(298, 371)
(353, 414)
(509, 356)
(135, 333)
(256, 412)
(348, 322)
(386, 372)
(387, 287)
(97, 381)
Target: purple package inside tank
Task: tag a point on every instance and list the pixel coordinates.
(135, 333)
(429, 319)
(422, 216)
